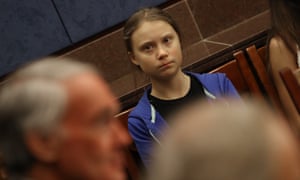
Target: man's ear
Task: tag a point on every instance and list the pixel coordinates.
(132, 58)
(44, 148)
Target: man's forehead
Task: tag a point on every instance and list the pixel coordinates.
(84, 77)
(89, 90)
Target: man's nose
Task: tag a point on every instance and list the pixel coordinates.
(121, 134)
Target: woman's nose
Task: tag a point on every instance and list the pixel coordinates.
(162, 52)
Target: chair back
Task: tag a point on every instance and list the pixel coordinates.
(258, 60)
(292, 85)
(240, 74)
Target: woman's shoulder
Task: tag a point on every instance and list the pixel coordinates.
(280, 55)
(142, 107)
(277, 42)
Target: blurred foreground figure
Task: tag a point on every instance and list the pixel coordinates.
(57, 122)
(243, 141)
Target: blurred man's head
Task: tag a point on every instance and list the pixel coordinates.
(227, 141)
(57, 121)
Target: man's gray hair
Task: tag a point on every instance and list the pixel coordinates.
(33, 99)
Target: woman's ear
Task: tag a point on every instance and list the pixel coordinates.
(132, 58)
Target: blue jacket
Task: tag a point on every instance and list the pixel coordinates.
(145, 124)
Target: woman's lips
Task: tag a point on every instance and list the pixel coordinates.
(165, 65)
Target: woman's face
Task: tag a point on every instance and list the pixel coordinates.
(156, 49)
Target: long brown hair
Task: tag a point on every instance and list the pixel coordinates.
(285, 19)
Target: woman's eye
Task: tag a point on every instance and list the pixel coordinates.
(167, 39)
(147, 48)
